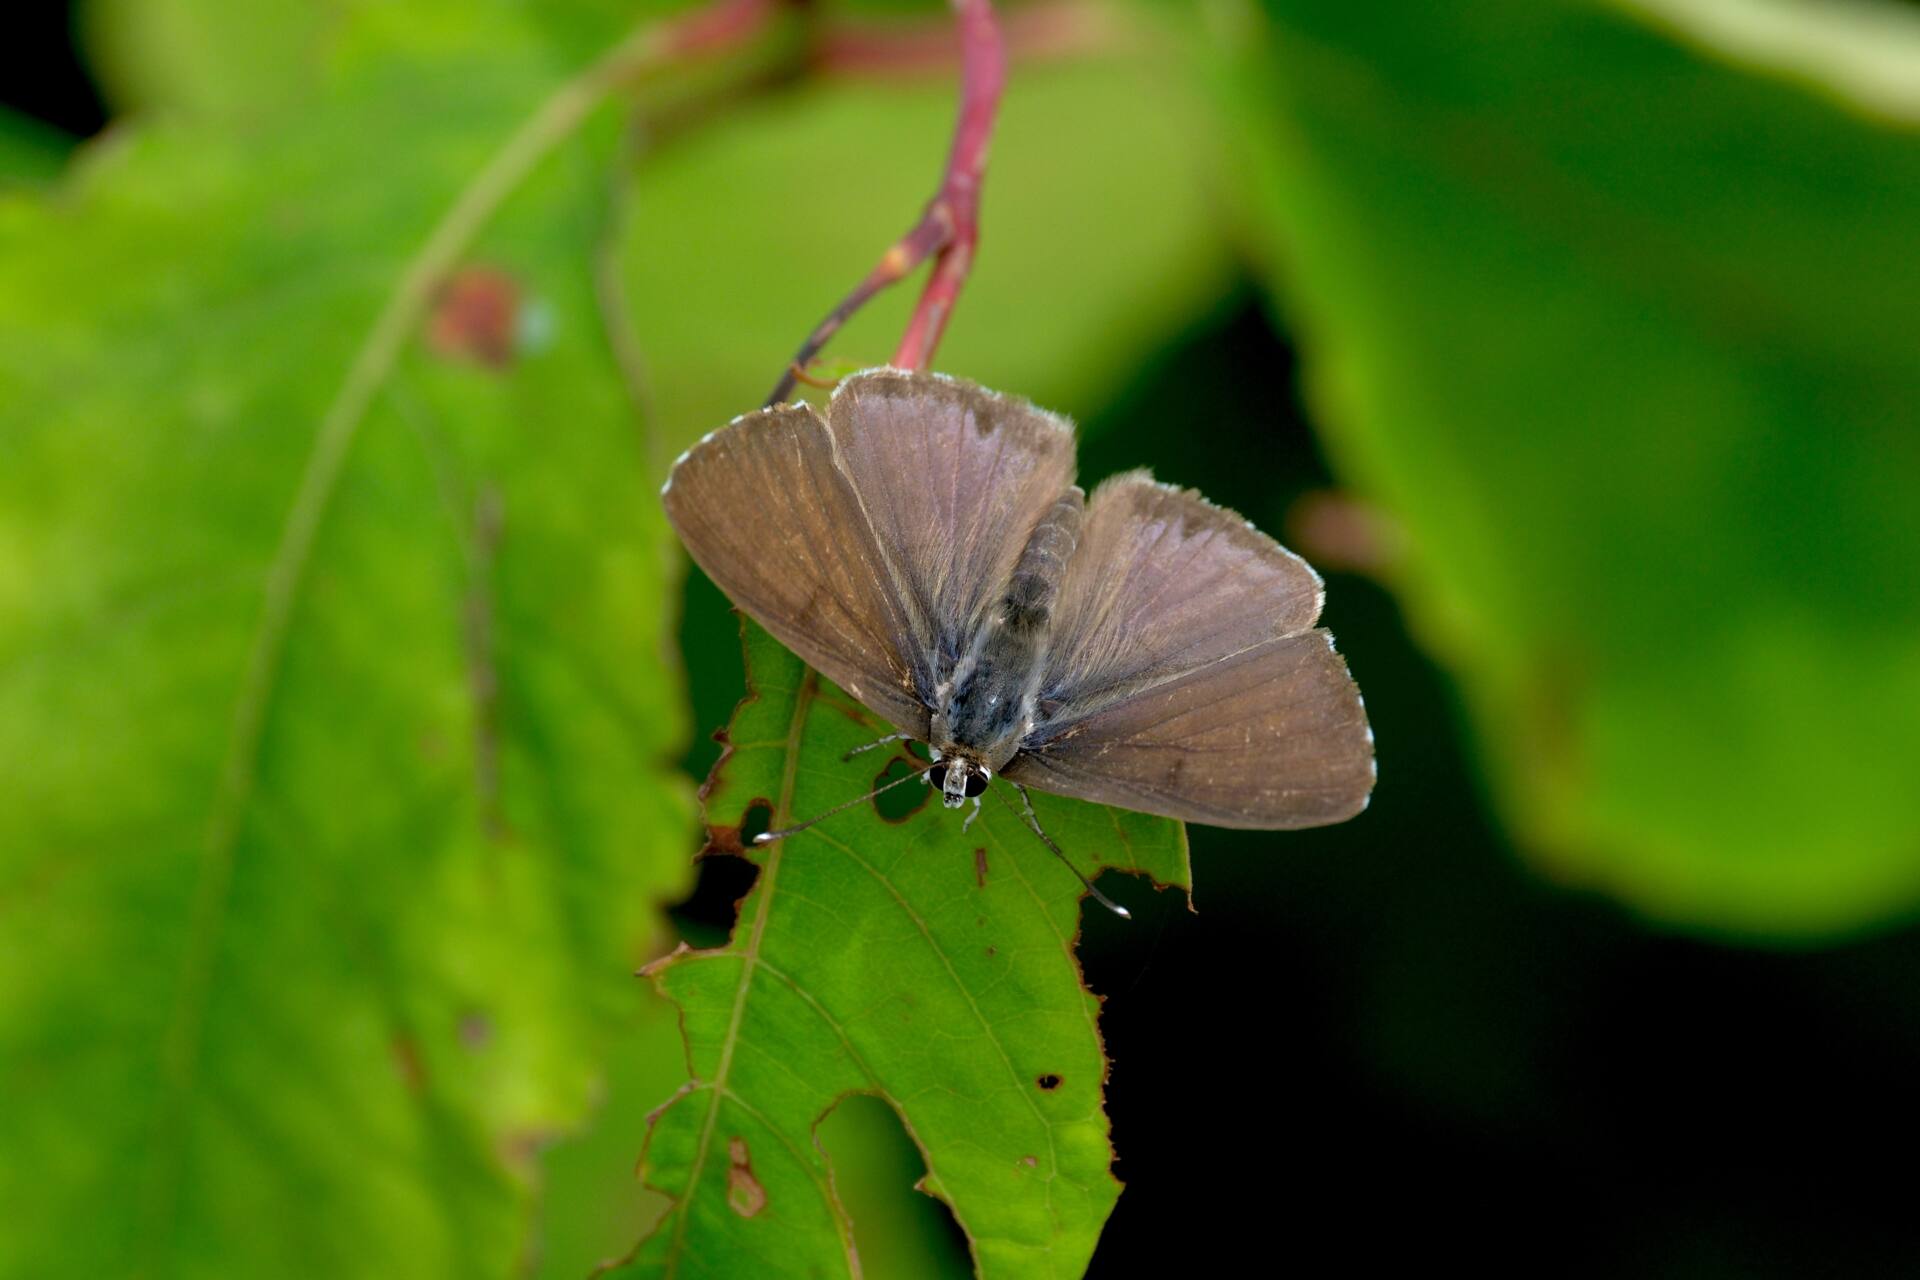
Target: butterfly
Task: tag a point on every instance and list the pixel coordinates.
(923, 545)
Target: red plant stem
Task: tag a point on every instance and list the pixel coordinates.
(949, 228)
(719, 26)
(909, 50)
(983, 76)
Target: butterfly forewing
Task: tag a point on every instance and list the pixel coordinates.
(1185, 678)
(953, 478)
(762, 507)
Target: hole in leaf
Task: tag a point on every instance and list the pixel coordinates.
(898, 1230)
(707, 917)
(716, 672)
(1049, 1082)
(757, 818)
(903, 801)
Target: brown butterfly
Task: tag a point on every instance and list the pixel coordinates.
(924, 546)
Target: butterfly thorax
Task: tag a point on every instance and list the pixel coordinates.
(986, 709)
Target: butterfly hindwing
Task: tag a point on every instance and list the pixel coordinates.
(1186, 677)
(1269, 738)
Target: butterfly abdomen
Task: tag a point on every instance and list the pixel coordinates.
(1027, 606)
(989, 702)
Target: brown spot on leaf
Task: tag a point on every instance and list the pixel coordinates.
(521, 1148)
(476, 1030)
(993, 951)
(407, 1061)
(1029, 1161)
(475, 317)
(745, 1195)
(736, 840)
(1049, 1082)
(980, 866)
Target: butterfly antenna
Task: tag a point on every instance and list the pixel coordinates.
(1033, 823)
(768, 837)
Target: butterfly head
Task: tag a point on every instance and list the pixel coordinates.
(959, 780)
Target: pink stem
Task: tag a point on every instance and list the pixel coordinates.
(908, 51)
(983, 77)
(949, 228)
(720, 25)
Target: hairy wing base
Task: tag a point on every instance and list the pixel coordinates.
(953, 478)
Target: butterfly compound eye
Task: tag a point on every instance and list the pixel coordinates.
(976, 783)
(937, 776)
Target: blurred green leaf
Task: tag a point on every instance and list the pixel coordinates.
(1099, 238)
(592, 1207)
(1623, 331)
(903, 957)
(241, 59)
(207, 56)
(324, 861)
(31, 153)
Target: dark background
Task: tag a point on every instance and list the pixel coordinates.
(1389, 1044)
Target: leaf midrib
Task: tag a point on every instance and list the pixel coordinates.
(554, 120)
(749, 962)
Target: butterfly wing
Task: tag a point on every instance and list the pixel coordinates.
(1187, 678)
(762, 506)
(952, 478)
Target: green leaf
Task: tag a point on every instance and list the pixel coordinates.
(334, 692)
(1098, 240)
(1621, 330)
(31, 153)
(928, 965)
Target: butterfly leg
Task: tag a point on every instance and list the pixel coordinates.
(970, 817)
(1033, 819)
(877, 742)
(1033, 822)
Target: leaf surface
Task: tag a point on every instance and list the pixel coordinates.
(1620, 327)
(926, 964)
(334, 699)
